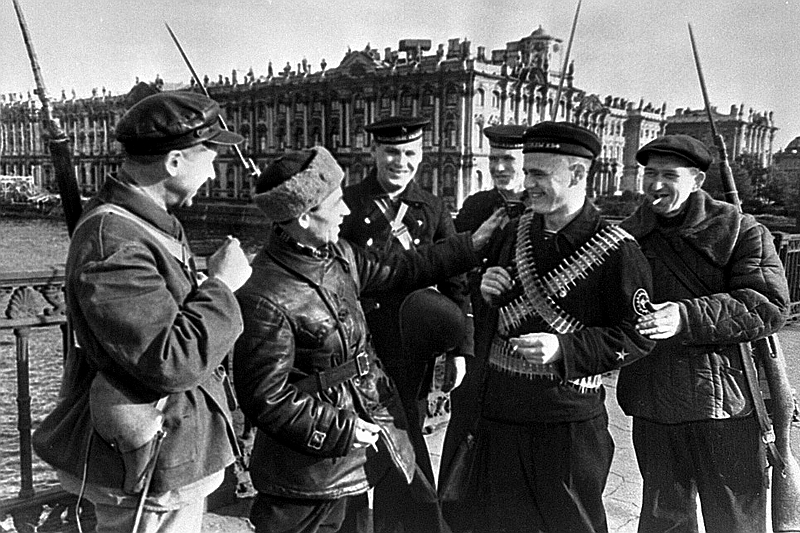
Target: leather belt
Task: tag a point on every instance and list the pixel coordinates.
(323, 380)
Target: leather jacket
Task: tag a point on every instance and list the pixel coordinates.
(302, 316)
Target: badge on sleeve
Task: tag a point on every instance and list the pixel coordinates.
(641, 302)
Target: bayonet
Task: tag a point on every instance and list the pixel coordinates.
(248, 163)
(554, 110)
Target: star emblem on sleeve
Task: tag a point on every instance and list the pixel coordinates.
(621, 355)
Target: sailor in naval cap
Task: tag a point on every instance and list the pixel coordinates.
(563, 285)
(391, 211)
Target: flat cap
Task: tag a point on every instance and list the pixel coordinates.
(508, 136)
(172, 120)
(430, 323)
(296, 182)
(561, 138)
(683, 146)
(397, 130)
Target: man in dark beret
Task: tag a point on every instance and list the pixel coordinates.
(390, 211)
(143, 424)
(717, 282)
(330, 421)
(563, 285)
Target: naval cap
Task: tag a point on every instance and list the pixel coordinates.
(683, 146)
(508, 136)
(172, 120)
(397, 130)
(561, 138)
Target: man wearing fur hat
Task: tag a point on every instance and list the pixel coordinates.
(330, 422)
(144, 397)
(564, 286)
(717, 282)
(390, 211)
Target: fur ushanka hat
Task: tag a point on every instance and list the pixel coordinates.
(296, 182)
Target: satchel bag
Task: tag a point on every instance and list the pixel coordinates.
(456, 486)
(132, 428)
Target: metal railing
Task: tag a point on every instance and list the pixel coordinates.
(788, 246)
(30, 302)
(33, 300)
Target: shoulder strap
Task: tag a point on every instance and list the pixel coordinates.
(689, 279)
(175, 247)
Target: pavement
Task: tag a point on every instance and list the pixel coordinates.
(623, 491)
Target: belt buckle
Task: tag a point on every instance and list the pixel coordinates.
(362, 364)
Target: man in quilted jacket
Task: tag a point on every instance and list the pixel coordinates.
(717, 282)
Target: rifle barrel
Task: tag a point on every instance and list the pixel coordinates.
(554, 112)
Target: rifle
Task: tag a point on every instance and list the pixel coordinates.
(554, 110)
(768, 352)
(249, 164)
(55, 137)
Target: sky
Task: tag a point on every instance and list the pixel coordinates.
(634, 49)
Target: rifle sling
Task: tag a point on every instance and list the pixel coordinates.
(689, 279)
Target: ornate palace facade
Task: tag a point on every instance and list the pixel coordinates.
(459, 89)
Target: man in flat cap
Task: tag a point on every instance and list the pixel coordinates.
(330, 421)
(717, 282)
(505, 167)
(143, 426)
(564, 286)
(390, 211)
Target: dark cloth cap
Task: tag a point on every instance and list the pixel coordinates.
(172, 121)
(561, 138)
(683, 146)
(430, 324)
(508, 136)
(397, 130)
(296, 182)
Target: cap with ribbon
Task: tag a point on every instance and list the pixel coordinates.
(561, 138)
(172, 120)
(296, 182)
(507, 136)
(397, 130)
(695, 152)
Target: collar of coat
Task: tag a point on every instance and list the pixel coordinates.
(306, 266)
(122, 191)
(413, 194)
(711, 227)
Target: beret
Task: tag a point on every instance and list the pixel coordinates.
(397, 130)
(430, 323)
(561, 138)
(172, 120)
(683, 146)
(296, 182)
(507, 136)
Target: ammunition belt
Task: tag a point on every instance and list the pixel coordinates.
(503, 356)
(538, 296)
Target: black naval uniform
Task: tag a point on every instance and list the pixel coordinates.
(543, 447)
(428, 221)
